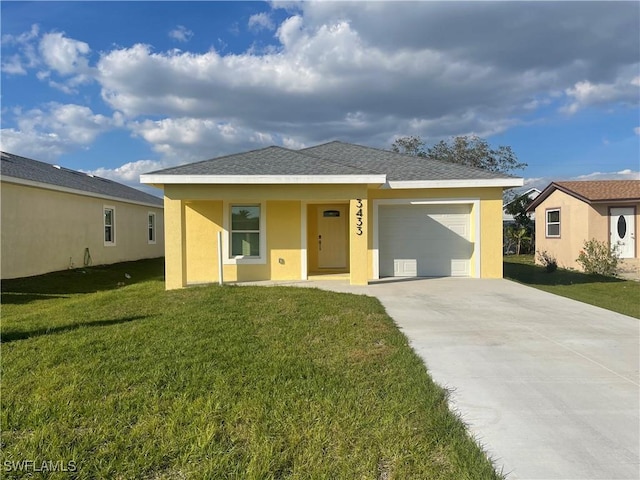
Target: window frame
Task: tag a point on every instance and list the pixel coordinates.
(227, 257)
(151, 228)
(547, 223)
(112, 242)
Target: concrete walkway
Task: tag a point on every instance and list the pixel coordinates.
(549, 386)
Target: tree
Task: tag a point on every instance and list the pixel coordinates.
(519, 236)
(409, 145)
(522, 231)
(464, 150)
(518, 208)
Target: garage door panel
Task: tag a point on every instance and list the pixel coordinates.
(424, 240)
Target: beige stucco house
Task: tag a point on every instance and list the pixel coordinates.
(335, 209)
(569, 213)
(54, 218)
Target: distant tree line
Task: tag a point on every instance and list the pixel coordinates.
(467, 150)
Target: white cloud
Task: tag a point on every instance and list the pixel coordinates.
(636, 130)
(26, 57)
(13, 66)
(23, 38)
(64, 55)
(56, 129)
(359, 71)
(129, 173)
(181, 34)
(585, 93)
(43, 146)
(626, 174)
(261, 21)
(201, 138)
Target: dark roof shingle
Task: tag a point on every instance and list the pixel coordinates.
(33, 170)
(266, 161)
(398, 166)
(333, 158)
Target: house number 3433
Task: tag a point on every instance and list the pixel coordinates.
(359, 216)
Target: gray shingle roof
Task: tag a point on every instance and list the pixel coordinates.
(28, 169)
(266, 161)
(334, 158)
(397, 166)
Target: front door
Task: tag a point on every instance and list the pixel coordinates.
(623, 228)
(332, 236)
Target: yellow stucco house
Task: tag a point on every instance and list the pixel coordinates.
(568, 213)
(54, 218)
(334, 209)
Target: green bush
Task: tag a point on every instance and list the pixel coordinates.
(597, 258)
(548, 261)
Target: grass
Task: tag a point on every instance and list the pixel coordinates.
(217, 382)
(622, 296)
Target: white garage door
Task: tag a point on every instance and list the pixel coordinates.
(424, 240)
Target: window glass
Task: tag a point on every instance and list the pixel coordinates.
(245, 244)
(152, 227)
(553, 230)
(245, 218)
(108, 225)
(245, 230)
(553, 223)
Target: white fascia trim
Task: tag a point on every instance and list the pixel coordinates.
(474, 202)
(261, 179)
(467, 183)
(57, 188)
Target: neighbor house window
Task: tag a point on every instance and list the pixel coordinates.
(553, 223)
(245, 231)
(109, 225)
(151, 235)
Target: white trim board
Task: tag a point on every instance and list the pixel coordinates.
(474, 202)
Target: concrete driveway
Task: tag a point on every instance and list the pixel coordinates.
(549, 386)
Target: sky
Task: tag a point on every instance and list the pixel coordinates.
(118, 89)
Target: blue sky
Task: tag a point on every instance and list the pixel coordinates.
(123, 88)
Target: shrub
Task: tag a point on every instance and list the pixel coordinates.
(597, 258)
(548, 261)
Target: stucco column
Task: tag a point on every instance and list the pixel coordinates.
(174, 244)
(358, 241)
(491, 256)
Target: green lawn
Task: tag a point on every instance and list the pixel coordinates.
(217, 382)
(615, 294)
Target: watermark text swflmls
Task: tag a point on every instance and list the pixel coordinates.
(39, 466)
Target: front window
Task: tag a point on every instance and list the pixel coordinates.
(553, 223)
(109, 226)
(152, 228)
(245, 231)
